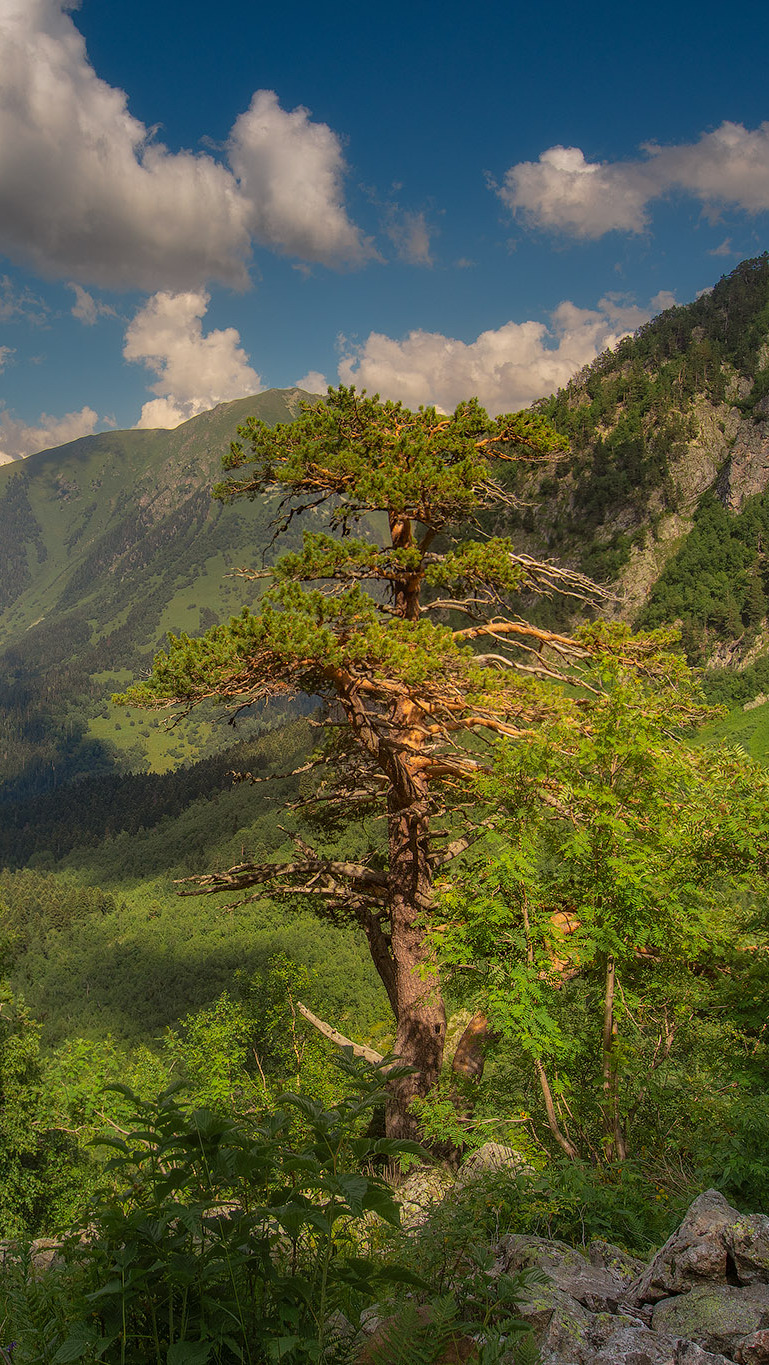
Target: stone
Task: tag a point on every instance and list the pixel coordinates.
(491, 1157)
(747, 1240)
(605, 1256)
(418, 1194)
(597, 1289)
(560, 1324)
(754, 1348)
(718, 1317)
(640, 1346)
(714, 1244)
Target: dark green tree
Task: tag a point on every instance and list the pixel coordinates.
(411, 634)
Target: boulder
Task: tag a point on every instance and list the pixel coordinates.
(560, 1324)
(753, 1349)
(717, 1316)
(605, 1256)
(423, 1188)
(640, 1346)
(491, 1157)
(715, 1244)
(597, 1288)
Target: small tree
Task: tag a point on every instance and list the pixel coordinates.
(411, 636)
(624, 853)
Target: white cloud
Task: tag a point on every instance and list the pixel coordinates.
(194, 372)
(564, 191)
(87, 194)
(20, 304)
(410, 234)
(5, 354)
(290, 181)
(506, 369)
(18, 440)
(312, 382)
(663, 300)
(88, 309)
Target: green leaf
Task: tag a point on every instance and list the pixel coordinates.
(189, 1353)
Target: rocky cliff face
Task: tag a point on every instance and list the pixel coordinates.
(679, 410)
(729, 453)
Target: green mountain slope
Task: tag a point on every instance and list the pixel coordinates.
(105, 545)
(677, 409)
(108, 543)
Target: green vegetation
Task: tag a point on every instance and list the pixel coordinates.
(104, 546)
(717, 584)
(364, 625)
(627, 418)
(616, 849)
(574, 865)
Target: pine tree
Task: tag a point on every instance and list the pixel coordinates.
(410, 635)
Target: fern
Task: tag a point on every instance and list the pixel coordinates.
(415, 1336)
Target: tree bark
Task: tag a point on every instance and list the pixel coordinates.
(614, 1137)
(419, 1012)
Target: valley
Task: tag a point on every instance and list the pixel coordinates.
(654, 480)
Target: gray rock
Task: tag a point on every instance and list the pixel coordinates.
(640, 1346)
(561, 1326)
(605, 1256)
(718, 1317)
(598, 1289)
(747, 1239)
(753, 1349)
(492, 1156)
(418, 1194)
(715, 1244)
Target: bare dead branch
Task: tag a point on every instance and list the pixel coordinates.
(359, 1049)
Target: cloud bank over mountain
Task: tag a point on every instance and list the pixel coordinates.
(506, 369)
(17, 439)
(194, 371)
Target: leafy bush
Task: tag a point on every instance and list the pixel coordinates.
(228, 1242)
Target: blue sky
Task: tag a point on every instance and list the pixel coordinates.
(430, 200)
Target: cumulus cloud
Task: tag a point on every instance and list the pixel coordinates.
(312, 382)
(290, 180)
(18, 440)
(194, 371)
(88, 194)
(86, 308)
(506, 369)
(565, 192)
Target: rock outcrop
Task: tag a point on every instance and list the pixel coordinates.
(702, 1300)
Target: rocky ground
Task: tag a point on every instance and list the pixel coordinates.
(702, 1300)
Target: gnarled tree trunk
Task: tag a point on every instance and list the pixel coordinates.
(418, 1004)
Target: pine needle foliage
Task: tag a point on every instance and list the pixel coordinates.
(411, 632)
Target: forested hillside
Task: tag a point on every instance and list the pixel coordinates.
(651, 425)
(105, 545)
(459, 816)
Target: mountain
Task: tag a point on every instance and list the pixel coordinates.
(680, 407)
(109, 542)
(106, 544)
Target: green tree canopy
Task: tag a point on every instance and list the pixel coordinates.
(407, 621)
(622, 852)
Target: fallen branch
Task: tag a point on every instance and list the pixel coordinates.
(359, 1049)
